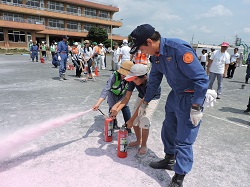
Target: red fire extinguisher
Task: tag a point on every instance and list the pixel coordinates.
(108, 130)
(122, 142)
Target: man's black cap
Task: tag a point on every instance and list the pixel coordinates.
(65, 37)
(140, 35)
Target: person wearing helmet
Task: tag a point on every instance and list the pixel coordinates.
(115, 89)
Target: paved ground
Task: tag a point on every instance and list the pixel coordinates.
(32, 93)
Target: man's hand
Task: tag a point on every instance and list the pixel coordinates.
(142, 109)
(59, 58)
(113, 113)
(195, 116)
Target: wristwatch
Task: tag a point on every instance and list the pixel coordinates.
(197, 107)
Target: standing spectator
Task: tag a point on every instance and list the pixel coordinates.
(115, 57)
(248, 69)
(30, 44)
(52, 49)
(34, 52)
(97, 56)
(240, 59)
(177, 61)
(62, 57)
(115, 89)
(217, 67)
(234, 59)
(102, 53)
(77, 59)
(124, 52)
(43, 49)
(210, 52)
(203, 58)
(87, 54)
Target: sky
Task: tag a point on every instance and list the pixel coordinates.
(203, 21)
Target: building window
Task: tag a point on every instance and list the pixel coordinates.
(16, 36)
(88, 26)
(13, 1)
(13, 17)
(56, 23)
(1, 34)
(55, 6)
(104, 14)
(35, 20)
(33, 3)
(72, 25)
(89, 12)
(72, 9)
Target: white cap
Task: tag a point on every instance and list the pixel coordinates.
(55, 43)
(30, 40)
(42, 42)
(125, 41)
(75, 43)
(100, 44)
(135, 71)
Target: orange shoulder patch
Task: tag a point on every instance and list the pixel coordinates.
(188, 57)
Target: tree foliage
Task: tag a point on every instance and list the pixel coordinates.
(97, 34)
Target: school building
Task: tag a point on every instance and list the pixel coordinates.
(48, 20)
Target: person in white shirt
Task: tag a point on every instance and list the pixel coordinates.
(102, 53)
(203, 58)
(124, 52)
(87, 55)
(233, 62)
(115, 57)
(217, 67)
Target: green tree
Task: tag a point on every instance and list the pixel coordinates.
(97, 34)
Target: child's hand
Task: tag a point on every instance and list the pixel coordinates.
(129, 124)
(95, 107)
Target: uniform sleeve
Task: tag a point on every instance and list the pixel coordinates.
(131, 86)
(59, 47)
(155, 78)
(194, 71)
(108, 86)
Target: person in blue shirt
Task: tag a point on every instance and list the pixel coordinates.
(62, 52)
(34, 52)
(177, 61)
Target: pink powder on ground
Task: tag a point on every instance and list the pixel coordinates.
(14, 141)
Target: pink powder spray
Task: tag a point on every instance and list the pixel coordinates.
(14, 141)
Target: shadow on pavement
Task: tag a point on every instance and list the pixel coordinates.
(232, 110)
(241, 121)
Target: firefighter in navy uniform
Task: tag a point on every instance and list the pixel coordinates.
(62, 52)
(177, 61)
(115, 90)
(34, 52)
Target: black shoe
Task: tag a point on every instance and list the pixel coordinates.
(247, 110)
(167, 163)
(218, 97)
(177, 180)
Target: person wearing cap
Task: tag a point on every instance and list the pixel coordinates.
(87, 55)
(217, 67)
(43, 49)
(115, 89)
(34, 49)
(178, 62)
(96, 55)
(124, 52)
(102, 54)
(137, 78)
(62, 51)
(234, 59)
